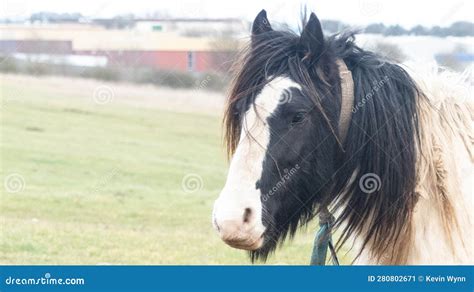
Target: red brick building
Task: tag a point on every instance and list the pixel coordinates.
(166, 49)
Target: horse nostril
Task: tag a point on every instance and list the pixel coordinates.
(247, 215)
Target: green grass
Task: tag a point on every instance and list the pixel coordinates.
(103, 184)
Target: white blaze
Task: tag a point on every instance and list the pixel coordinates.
(245, 168)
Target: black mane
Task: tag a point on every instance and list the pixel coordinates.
(381, 138)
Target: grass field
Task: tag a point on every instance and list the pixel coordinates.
(102, 183)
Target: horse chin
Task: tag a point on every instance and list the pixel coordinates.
(267, 247)
(249, 246)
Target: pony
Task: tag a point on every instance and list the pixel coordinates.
(315, 123)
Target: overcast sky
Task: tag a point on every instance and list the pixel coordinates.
(355, 12)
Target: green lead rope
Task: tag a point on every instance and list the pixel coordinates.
(323, 240)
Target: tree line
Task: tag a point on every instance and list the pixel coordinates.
(459, 28)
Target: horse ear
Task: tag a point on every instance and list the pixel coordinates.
(312, 39)
(260, 24)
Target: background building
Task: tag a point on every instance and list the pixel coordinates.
(194, 45)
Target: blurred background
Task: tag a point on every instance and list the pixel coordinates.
(111, 117)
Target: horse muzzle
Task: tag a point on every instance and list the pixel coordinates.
(238, 227)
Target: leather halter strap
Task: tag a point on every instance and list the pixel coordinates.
(347, 99)
(323, 239)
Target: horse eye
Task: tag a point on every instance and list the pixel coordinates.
(298, 118)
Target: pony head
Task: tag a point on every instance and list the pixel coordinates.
(283, 132)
